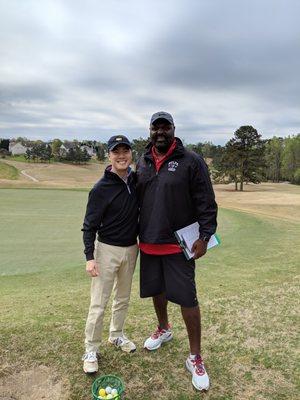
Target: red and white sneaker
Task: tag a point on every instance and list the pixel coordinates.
(195, 365)
(157, 338)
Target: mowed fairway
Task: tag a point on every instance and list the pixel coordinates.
(248, 290)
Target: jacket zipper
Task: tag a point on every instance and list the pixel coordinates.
(128, 187)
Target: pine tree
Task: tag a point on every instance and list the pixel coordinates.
(243, 158)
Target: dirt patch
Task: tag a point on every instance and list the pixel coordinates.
(34, 384)
(277, 200)
(57, 175)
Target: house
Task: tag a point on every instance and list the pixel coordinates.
(91, 152)
(65, 148)
(17, 148)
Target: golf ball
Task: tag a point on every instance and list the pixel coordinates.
(102, 392)
(114, 392)
(108, 390)
(109, 396)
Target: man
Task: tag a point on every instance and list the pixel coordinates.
(174, 190)
(112, 212)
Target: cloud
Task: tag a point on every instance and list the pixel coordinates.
(79, 69)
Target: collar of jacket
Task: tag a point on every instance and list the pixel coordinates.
(112, 176)
(178, 151)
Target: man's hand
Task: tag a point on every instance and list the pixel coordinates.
(199, 248)
(92, 268)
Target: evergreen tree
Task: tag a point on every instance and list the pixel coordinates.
(243, 157)
(85, 157)
(76, 155)
(28, 155)
(4, 144)
(55, 147)
(138, 147)
(100, 151)
(197, 148)
(70, 155)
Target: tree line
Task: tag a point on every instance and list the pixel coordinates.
(245, 158)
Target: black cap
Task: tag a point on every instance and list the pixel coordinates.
(162, 115)
(116, 140)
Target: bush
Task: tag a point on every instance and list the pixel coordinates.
(296, 178)
(4, 153)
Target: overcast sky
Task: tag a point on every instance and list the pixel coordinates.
(89, 69)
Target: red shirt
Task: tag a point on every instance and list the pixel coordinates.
(160, 249)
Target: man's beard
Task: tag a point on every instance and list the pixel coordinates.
(163, 145)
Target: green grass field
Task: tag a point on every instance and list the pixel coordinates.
(18, 157)
(8, 171)
(247, 289)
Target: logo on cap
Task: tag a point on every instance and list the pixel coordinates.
(116, 140)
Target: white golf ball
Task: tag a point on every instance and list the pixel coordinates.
(109, 396)
(114, 392)
(108, 390)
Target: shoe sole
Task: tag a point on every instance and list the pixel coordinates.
(120, 348)
(89, 372)
(160, 344)
(195, 386)
(125, 351)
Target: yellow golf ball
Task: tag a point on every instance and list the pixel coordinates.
(102, 392)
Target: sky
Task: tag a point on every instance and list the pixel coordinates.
(89, 69)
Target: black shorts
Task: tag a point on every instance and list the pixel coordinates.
(172, 274)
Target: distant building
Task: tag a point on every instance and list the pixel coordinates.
(17, 148)
(91, 152)
(67, 146)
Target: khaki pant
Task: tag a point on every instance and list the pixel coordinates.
(116, 267)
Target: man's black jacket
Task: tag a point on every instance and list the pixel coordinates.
(112, 211)
(179, 194)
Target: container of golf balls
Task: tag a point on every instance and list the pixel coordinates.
(108, 387)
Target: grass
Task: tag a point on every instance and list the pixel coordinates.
(247, 289)
(17, 157)
(8, 171)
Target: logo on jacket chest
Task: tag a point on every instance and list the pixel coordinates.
(172, 165)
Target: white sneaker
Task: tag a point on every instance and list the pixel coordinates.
(123, 343)
(90, 362)
(200, 379)
(159, 337)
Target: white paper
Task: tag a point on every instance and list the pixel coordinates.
(189, 234)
